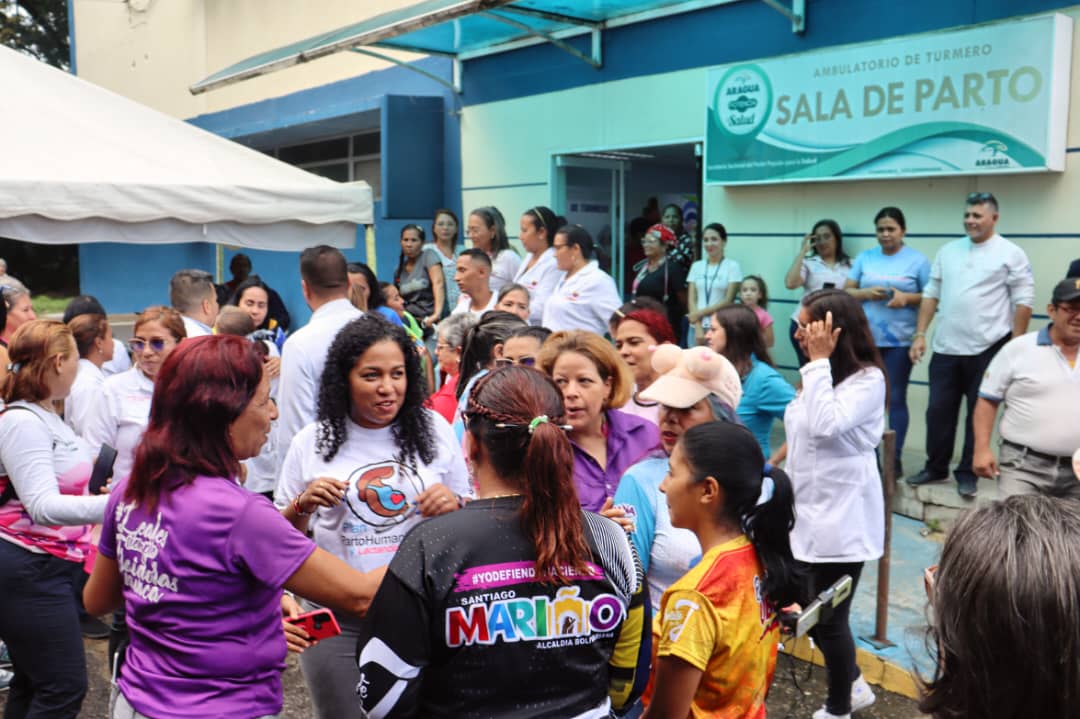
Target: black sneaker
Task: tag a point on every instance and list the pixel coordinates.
(94, 628)
(923, 477)
(967, 487)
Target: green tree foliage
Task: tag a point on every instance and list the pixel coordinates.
(38, 28)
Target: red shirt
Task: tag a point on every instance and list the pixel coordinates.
(444, 402)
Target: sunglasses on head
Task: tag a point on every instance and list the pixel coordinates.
(977, 198)
(137, 346)
(522, 361)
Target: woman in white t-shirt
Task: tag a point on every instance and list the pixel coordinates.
(712, 282)
(586, 296)
(444, 236)
(121, 416)
(373, 465)
(821, 263)
(487, 231)
(93, 337)
(538, 273)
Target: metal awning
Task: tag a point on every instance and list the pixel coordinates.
(468, 28)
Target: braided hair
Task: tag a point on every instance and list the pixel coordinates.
(412, 428)
(516, 415)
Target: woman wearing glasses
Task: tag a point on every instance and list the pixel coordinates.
(120, 417)
(833, 428)
(372, 465)
(451, 337)
(586, 296)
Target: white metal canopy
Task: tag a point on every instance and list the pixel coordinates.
(83, 164)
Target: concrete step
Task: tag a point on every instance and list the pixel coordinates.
(937, 504)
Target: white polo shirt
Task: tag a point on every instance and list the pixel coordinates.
(194, 328)
(978, 286)
(504, 267)
(540, 280)
(1041, 393)
(88, 390)
(583, 301)
(120, 417)
(303, 359)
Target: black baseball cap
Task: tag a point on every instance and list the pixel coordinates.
(83, 305)
(1066, 291)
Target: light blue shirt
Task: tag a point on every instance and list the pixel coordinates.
(766, 395)
(908, 270)
(666, 552)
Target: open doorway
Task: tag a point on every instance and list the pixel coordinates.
(617, 194)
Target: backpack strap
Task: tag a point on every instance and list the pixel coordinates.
(8, 492)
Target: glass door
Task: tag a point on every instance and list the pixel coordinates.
(591, 192)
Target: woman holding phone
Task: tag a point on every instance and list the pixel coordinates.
(889, 280)
(821, 263)
(199, 561)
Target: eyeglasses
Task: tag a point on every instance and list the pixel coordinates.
(1068, 310)
(156, 345)
(521, 361)
(557, 246)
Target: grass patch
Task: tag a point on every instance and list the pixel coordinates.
(47, 305)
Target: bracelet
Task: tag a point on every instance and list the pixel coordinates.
(918, 334)
(298, 509)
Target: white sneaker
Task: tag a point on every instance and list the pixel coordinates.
(862, 695)
(823, 713)
(5, 679)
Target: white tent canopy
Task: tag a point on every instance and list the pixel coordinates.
(83, 164)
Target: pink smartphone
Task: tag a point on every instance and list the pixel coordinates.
(319, 624)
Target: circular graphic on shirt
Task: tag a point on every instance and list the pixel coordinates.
(383, 494)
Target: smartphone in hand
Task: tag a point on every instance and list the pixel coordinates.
(319, 624)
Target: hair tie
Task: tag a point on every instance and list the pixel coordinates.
(14, 367)
(537, 421)
(767, 487)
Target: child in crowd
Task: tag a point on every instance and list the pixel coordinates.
(392, 298)
(754, 294)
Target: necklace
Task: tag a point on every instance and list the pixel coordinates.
(710, 283)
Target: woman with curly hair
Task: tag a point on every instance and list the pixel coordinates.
(372, 465)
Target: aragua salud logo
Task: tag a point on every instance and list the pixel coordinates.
(743, 101)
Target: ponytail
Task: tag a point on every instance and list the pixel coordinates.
(760, 502)
(515, 413)
(768, 524)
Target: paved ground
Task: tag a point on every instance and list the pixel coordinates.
(788, 699)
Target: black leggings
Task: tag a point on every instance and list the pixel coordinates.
(833, 635)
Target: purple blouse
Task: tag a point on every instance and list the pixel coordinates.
(629, 439)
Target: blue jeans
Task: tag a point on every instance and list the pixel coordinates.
(39, 621)
(898, 369)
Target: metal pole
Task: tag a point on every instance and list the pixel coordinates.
(888, 476)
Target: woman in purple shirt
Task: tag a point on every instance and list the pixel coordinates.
(199, 561)
(594, 381)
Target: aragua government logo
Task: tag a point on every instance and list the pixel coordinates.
(743, 100)
(383, 494)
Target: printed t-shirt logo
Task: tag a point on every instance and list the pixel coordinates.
(383, 494)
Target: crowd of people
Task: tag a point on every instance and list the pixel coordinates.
(519, 492)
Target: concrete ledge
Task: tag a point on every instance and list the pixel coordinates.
(878, 671)
(937, 503)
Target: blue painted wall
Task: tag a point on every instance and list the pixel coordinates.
(127, 278)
